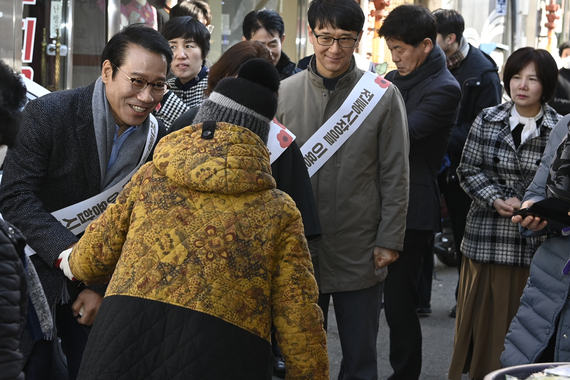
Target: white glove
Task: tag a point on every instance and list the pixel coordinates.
(63, 263)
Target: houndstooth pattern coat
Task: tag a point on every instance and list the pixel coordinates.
(491, 168)
(182, 98)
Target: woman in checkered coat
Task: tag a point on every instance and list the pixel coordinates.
(501, 156)
(189, 40)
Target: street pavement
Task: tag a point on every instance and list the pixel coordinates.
(437, 330)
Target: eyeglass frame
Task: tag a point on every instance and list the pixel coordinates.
(337, 40)
(163, 91)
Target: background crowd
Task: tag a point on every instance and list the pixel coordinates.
(181, 218)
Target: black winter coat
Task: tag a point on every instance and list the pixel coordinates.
(285, 67)
(481, 88)
(561, 101)
(431, 95)
(13, 301)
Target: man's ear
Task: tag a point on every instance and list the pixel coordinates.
(107, 71)
(310, 31)
(243, 38)
(427, 45)
(451, 38)
(282, 39)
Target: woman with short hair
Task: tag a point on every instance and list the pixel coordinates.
(501, 156)
(189, 40)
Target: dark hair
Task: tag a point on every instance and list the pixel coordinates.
(263, 18)
(563, 45)
(544, 64)
(136, 34)
(229, 63)
(12, 101)
(410, 23)
(449, 21)
(193, 8)
(188, 28)
(341, 14)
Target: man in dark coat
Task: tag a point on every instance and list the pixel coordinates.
(431, 95)
(74, 145)
(561, 100)
(478, 77)
(267, 27)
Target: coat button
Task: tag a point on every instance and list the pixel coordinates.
(10, 231)
(564, 336)
(478, 83)
(547, 331)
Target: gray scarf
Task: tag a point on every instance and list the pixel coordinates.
(105, 127)
(38, 298)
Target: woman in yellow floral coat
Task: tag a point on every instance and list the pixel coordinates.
(205, 254)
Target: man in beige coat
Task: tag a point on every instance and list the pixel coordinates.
(361, 191)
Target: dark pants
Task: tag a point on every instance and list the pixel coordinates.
(358, 318)
(426, 277)
(73, 340)
(400, 305)
(458, 204)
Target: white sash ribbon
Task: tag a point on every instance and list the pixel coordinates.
(77, 217)
(324, 143)
(278, 140)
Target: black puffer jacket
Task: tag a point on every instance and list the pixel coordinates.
(13, 301)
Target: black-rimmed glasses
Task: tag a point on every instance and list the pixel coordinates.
(139, 84)
(344, 42)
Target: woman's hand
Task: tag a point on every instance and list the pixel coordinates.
(514, 202)
(533, 223)
(506, 208)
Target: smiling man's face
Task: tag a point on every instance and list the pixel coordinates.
(332, 60)
(130, 107)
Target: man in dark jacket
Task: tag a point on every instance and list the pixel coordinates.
(267, 27)
(75, 146)
(431, 95)
(561, 100)
(478, 77)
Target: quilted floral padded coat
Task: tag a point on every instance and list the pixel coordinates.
(203, 231)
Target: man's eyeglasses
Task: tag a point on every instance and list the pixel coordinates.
(344, 42)
(139, 84)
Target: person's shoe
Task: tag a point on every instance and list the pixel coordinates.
(279, 369)
(453, 312)
(423, 311)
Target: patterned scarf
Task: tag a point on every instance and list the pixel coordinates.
(455, 59)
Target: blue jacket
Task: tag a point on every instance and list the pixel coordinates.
(545, 297)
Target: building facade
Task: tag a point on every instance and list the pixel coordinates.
(60, 41)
